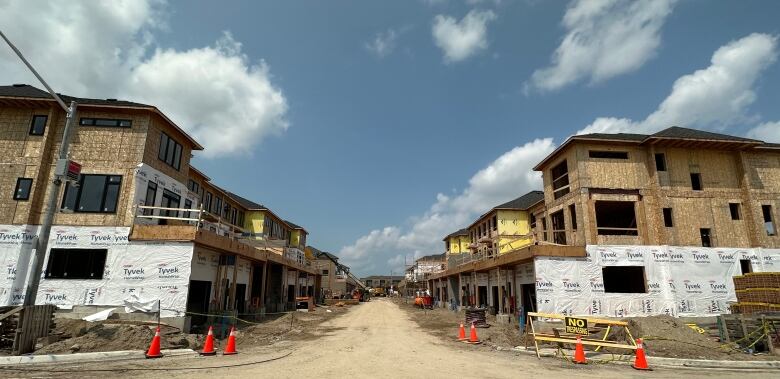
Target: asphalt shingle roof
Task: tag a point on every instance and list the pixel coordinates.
(26, 90)
(523, 202)
(461, 232)
(246, 203)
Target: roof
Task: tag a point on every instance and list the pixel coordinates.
(27, 91)
(671, 133)
(434, 257)
(294, 226)
(523, 202)
(200, 173)
(246, 203)
(461, 232)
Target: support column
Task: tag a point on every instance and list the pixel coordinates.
(500, 306)
(262, 288)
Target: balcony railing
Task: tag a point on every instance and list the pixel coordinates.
(203, 220)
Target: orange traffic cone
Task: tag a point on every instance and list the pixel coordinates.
(473, 338)
(640, 363)
(208, 346)
(462, 333)
(154, 348)
(230, 349)
(579, 353)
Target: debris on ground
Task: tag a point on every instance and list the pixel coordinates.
(79, 336)
(663, 336)
(666, 336)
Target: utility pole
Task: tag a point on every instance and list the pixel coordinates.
(60, 171)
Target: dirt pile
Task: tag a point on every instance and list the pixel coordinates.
(666, 336)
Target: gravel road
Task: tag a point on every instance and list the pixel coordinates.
(378, 340)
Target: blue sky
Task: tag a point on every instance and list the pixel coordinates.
(382, 126)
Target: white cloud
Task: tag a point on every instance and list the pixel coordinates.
(604, 39)
(383, 43)
(462, 39)
(215, 93)
(711, 98)
(768, 131)
(504, 179)
(108, 49)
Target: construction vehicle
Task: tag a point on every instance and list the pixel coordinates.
(379, 292)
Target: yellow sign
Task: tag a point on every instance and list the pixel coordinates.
(576, 326)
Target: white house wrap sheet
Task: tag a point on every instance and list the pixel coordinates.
(681, 281)
(147, 270)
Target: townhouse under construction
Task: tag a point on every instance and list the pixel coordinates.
(626, 225)
(140, 225)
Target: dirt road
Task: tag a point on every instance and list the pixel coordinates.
(378, 340)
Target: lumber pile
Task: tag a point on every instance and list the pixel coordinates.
(757, 292)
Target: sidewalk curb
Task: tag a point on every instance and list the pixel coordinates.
(88, 357)
(671, 362)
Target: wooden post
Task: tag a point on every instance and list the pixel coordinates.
(769, 345)
(232, 303)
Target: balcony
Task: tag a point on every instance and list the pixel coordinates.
(201, 227)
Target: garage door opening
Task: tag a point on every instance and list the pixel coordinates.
(624, 279)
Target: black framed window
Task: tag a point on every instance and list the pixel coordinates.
(151, 196)
(193, 186)
(188, 205)
(170, 200)
(94, 194)
(23, 188)
(105, 122)
(38, 125)
(207, 202)
(170, 151)
(76, 263)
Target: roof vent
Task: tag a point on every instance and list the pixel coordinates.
(20, 85)
(110, 99)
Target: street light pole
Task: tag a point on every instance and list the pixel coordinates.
(42, 242)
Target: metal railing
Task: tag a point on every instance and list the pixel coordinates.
(202, 220)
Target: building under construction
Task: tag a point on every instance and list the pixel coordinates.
(139, 226)
(626, 225)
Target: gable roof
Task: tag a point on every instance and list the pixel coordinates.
(26, 91)
(246, 203)
(671, 133)
(461, 232)
(522, 203)
(434, 257)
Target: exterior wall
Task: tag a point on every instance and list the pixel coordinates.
(458, 245)
(253, 222)
(514, 224)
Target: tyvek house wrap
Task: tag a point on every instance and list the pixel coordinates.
(681, 281)
(141, 271)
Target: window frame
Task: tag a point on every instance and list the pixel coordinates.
(608, 286)
(662, 162)
(560, 190)
(106, 184)
(735, 209)
(603, 227)
(707, 235)
(668, 218)
(43, 128)
(697, 184)
(769, 220)
(608, 154)
(19, 181)
(93, 121)
(57, 254)
(170, 151)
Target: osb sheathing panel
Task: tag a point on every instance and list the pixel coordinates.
(718, 169)
(628, 173)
